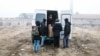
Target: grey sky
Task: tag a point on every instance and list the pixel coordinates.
(12, 8)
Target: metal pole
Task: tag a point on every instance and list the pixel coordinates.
(71, 9)
(71, 6)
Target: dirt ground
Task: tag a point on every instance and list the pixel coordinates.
(17, 42)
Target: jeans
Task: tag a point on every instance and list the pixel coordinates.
(42, 40)
(36, 45)
(65, 41)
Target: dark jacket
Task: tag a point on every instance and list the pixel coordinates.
(56, 29)
(67, 28)
(43, 29)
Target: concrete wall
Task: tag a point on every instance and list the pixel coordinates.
(86, 22)
(10, 22)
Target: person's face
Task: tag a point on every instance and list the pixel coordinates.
(50, 17)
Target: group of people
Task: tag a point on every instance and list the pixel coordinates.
(39, 39)
(57, 28)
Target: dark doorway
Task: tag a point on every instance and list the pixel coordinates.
(54, 15)
(51, 17)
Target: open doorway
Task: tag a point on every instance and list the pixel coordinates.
(51, 17)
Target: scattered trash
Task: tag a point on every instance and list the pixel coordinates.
(13, 54)
(22, 49)
(19, 54)
(83, 45)
(86, 47)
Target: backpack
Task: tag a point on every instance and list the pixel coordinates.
(35, 31)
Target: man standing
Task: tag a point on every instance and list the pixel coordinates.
(43, 32)
(67, 30)
(36, 37)
(56, 30)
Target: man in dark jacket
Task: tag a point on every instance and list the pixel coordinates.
(43, 32)
(56, 30)
(67, 30)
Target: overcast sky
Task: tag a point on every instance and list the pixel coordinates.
(12, 8)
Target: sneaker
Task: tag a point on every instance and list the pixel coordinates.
(67, 46)
(64, 47)
(36, 51)
(42, 46)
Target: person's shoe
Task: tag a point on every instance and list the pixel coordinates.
(56, 47)
(36, 51)
(42, 45)
(67, 46)
(64, 47)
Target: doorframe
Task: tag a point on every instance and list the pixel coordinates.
(70, 37)
(66, 14)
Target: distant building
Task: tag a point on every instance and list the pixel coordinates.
(86, 16)
(25, 16)
(78, 20)
(14, 22)
(86, 20)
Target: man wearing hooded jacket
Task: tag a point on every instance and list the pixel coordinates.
(67, 30)
(56, 30)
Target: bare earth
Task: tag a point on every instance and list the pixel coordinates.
(17, 42)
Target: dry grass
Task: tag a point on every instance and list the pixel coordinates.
(17, 42)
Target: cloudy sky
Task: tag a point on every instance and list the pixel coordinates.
(12, 8)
